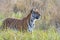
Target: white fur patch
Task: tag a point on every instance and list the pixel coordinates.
(31, 25)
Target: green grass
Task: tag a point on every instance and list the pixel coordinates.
(50, 34)
(16, 15)
(1, 16)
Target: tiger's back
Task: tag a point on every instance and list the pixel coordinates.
(13, 23)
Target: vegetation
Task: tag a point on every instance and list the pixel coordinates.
(46, 26)
(50, 34)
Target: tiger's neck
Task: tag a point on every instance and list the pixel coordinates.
(31, 23)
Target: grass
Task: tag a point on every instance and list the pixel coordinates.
(16, 15)
(50, 34)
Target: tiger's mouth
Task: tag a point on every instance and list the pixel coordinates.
(37, 17)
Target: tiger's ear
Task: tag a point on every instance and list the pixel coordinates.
(31, 11)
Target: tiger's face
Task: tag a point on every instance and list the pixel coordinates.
(35, 14)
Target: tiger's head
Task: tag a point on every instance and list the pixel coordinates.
(35, 13)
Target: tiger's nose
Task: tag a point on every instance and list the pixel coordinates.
(38, 16)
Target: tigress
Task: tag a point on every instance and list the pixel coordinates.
(25, 24)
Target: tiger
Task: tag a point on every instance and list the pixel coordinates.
(25, 24)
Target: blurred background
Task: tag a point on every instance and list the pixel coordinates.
(49, 10)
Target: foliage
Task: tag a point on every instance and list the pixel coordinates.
(9, 34)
